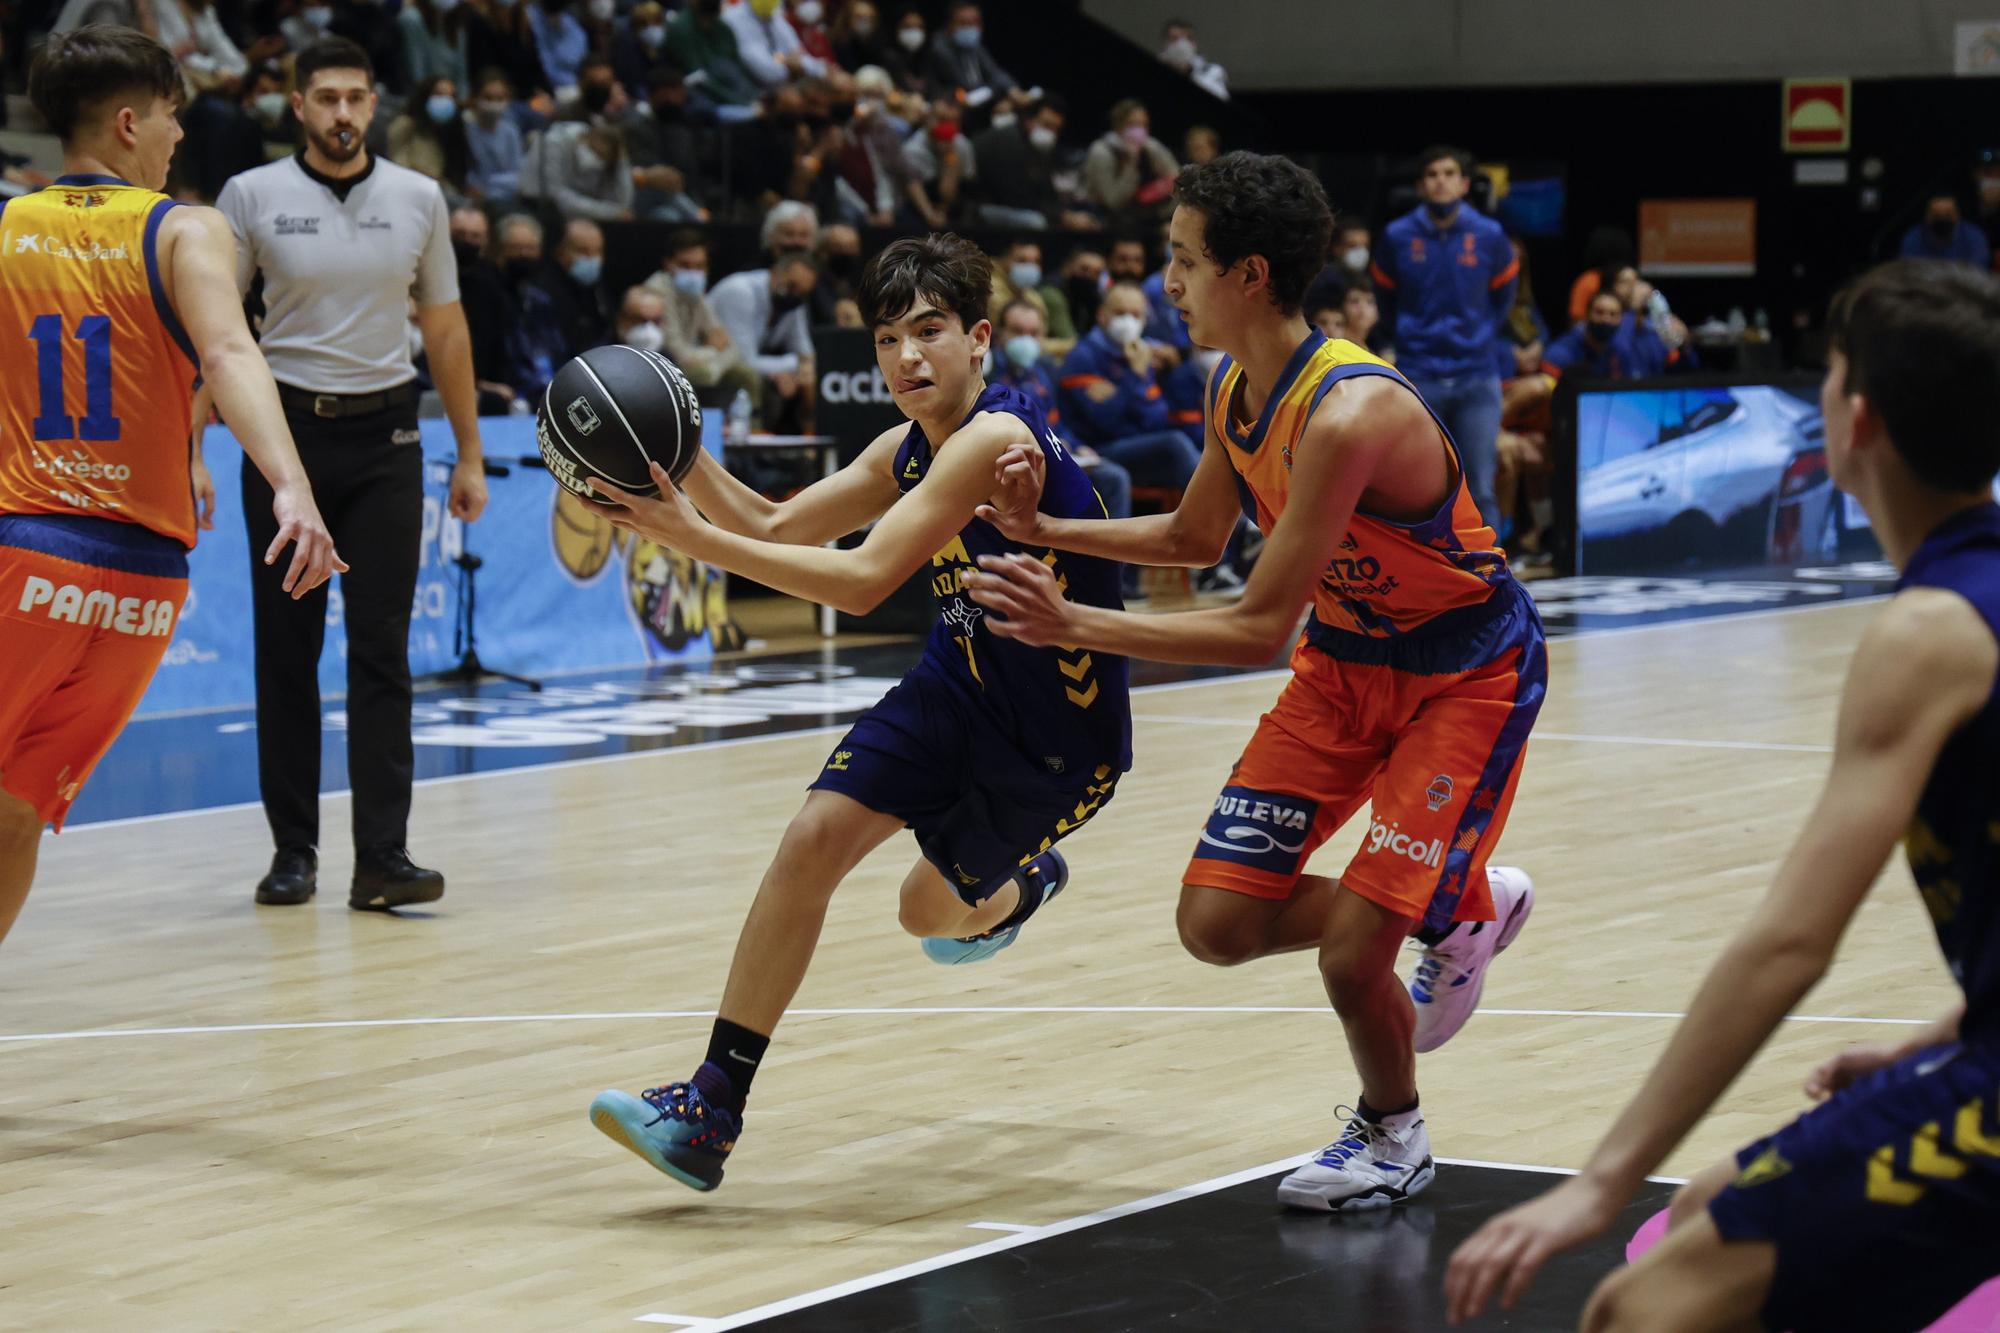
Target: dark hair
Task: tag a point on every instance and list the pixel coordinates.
(1252, 204)
(940, 267)
(1018, 304)
(684, 239)
(98, 64)
(1922, 342)
(1438, 152)
(1055, 102)
(1122, 110)
(330, 53)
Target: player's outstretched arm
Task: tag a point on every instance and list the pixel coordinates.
(856, 581)
(198, 258)
(1356, 427)
(1924, 667)
(1193, 536)
(831, 507)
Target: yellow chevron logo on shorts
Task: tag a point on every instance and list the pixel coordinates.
(1766, 1167)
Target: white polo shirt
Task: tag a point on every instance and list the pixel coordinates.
(339, 271)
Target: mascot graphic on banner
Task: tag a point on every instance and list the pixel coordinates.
(672, 597)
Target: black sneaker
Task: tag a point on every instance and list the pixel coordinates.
(385, 878)
(293, 879)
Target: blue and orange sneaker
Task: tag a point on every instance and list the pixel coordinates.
(1041, 880)
(674, 1128)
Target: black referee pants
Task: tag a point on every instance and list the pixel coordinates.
(370, 490)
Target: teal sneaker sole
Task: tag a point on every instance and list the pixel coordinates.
(623, 1118)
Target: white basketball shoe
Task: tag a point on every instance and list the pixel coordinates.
(1447, 982)
(1369, 1166)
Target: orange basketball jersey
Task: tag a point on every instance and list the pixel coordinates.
(1389, 579)
(98, 373)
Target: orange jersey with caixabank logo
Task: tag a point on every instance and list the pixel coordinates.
(1389, 579)
(98, 373)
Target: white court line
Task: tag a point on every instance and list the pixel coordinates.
(696, 1322)
(1029, 1235)
(916, 1011)
(1160, 688)
(997, 1226)
(1674, 741)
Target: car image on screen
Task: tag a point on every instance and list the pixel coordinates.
(1696, 475)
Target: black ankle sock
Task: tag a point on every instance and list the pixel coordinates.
(1375, 1117)
(734, 1052)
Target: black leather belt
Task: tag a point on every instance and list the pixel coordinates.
(333, 405)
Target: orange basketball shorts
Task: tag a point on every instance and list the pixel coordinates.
(79, 644)
(1438, 754)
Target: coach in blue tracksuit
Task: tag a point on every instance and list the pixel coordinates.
(1446, 273)
(1111, 399)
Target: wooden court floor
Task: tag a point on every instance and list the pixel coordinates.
(215, 1116)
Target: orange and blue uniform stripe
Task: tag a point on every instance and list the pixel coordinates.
(1416, 683)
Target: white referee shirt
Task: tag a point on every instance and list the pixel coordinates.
(340, 261)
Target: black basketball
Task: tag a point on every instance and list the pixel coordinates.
(610, 412)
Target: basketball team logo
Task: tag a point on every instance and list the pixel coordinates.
(1438, 794)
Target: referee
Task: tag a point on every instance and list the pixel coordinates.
(344, 240)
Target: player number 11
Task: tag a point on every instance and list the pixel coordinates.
(51, 422)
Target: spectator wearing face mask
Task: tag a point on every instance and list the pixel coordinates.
(1178, 53)
(871, 159)
(640, 322)
(434, 41)
(483, 292)
(1017, 168)
(838, 257)
(767, 45)
(599, 20)
(1019, 278)
(704, 47)
(694, 338)
(1347, 262)
(537, 342)
(639, 47)
(942, 166)
(905, 60)
(764, 311)
(665, 157)
(493, 144)
(581, 166)
(226, 136)
(1608, 345)
(429, 136)
(1944, 234)
(562, 42)
(572, 281)
(808, 20)
(1447, 274)
(1111, 398)
(500, 38)
(858, 36)
(1084, 277)
(1128, 174)
(959, 66)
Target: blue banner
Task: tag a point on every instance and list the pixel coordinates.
(560, 589)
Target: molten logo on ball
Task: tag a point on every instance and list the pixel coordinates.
(583, 417)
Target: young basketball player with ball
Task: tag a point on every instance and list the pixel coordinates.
(1420, 673)
(1880, 1208)
(989, 750)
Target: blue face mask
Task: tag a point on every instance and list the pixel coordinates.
(441, 108)
(1439, 212)
(586, 270)
(965, 37)
(691, 280)
(318, 15)
(1024, 276)
(1023, 350)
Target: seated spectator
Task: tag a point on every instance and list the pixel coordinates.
(705, 49)
(1202, 145)
(1609, 345)
(583, 168)
(537, 344)
(1019, 278)
(1178, 53)
(1944, 234)
(858, 36)
(1085, 276)
(959, 67)
(767, 45)
(493, 144)
(694, 338)
(573, 281)
(905, 61)
(562, 42)
(1111, 398)
(1347, 262)
(1128, 174)
(641, 320)
(1605, 251)
(483, 292)
(1363, 316)
(764, 310)
(790, 228)
(229, 135)
(871, 159)
(664, 153)
(838, 257)
(1017, 167)
(808, 20)
(434, 42)
(192, 30)
(941, 166)
(599, 19)
(429, 136)
(639, 47)
(500, 36)
(1330, 320)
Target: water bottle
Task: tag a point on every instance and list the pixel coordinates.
(736, 426)
(1660, 315)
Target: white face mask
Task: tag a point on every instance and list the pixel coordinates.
(1042, 137)
(911, 38)
(1124, 329)
(1206, 359)
(1356, 258)
(809, 11)
(604, 10)
(645, 337)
